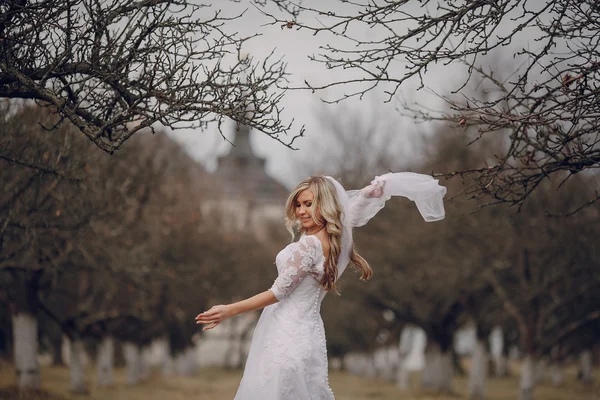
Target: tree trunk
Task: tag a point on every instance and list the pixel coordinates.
(438, 370)
(5, 345)
(402, 377)
(370, 371)
(57, 344)
(131, 353)
(557, 374)
(185, 362)
(540, 370)
(499, 346)
(501, 366)
(393, 359)
(446, 371)
(105, 361)
(76, 366)
(585, 366)
(429, 373)
(405, 347)
(25, 337)
(168, 368)
(478, 372)
(246, 342)
(385, 362)
(527, 385)
(145, 363)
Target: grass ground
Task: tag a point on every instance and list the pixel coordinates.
(216, 384)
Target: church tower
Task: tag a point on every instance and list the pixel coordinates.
(245, 174)
(247, 196)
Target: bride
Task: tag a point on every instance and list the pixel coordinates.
(288, 356)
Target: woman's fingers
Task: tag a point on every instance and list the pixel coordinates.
(208, 316)
(209, 313)
(210, 326)
(208, 320)
(212, 317)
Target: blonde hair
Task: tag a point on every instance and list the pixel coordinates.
(327, 213)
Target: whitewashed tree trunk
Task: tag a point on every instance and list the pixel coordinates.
(402, 376)
(25, 350)
(168, 368)
(106, 352)
(76, 366)
(501, 366)
(186, 362)
(181, 367)
(446, 371)
(430, 370)
(438, 370)
(393, 359)
(585, 366)
(351, 363)
(540, 370)
(499, 352)
(557, 374)
(131, 353)
(145, 363)
(385, 360)
(527, 385)
(478, 372)
(370, 371)
(405, 347)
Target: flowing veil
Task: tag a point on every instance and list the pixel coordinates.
(359, 208)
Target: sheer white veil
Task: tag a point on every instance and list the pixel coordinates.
(346, 246)
(357, 208)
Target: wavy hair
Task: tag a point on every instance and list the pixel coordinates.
(329, 215)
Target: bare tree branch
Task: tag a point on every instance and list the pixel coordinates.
(115, 68)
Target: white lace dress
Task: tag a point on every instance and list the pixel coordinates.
(288, 357)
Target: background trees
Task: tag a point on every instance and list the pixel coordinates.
(531, 272)
(543, 106)
(108, 246)
(116, 249)
(113, 69)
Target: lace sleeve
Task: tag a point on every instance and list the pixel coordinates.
(301, 262)
(422, 189)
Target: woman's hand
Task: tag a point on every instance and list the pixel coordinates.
(375, 189)
(214, 316)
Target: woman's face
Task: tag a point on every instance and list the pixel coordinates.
(305, 210)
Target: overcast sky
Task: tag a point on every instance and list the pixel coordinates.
(295, 46)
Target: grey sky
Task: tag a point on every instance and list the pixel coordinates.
(295, 46)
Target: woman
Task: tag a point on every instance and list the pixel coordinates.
(288, 356)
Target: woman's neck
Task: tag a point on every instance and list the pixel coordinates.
(315, 230)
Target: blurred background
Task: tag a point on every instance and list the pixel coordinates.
(105, 259)
(104, 272)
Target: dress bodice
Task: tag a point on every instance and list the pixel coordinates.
(300, 268)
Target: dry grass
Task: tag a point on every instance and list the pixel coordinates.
(215, 384)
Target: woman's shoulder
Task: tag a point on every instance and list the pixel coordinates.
(310, 241)
(313, 245)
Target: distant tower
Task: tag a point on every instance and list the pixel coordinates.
(245, 174)
(248, 196)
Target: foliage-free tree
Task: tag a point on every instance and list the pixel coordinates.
(544, 106)
(115, 68)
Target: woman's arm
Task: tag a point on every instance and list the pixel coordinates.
(218, 314)
(297, 267)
